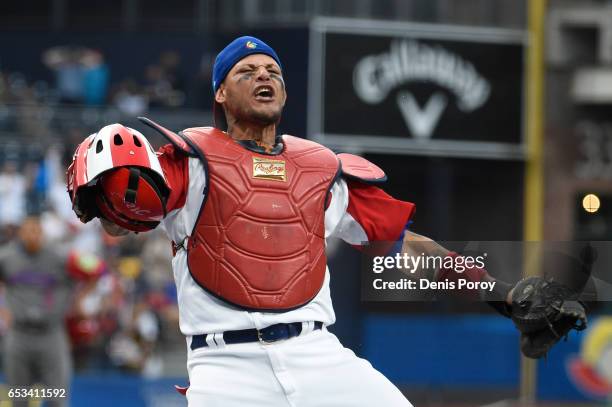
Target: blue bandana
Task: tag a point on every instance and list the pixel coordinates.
(234, 52)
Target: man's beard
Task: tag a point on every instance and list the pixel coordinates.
(263, 118)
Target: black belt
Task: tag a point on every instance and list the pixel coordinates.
(269, 334)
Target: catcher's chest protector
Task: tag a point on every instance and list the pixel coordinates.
(258, 242)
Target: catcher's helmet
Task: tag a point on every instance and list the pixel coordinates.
(130, 187)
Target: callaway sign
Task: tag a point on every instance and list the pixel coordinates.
(375, 76)
(424, 89)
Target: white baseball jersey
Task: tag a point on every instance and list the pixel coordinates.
(349, 216)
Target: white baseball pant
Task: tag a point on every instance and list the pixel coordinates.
(311, 370)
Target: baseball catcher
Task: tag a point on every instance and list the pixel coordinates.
(248, 212)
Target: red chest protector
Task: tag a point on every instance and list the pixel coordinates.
(258, 242)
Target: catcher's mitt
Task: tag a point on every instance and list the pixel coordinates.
(545, 311)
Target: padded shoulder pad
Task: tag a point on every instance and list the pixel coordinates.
(176, 140)
(360, 169)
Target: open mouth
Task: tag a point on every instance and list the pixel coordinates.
(264, 93)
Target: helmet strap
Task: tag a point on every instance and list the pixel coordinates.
(132, 187)
(162, 197)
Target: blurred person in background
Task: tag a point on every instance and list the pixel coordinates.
(132, 347)
(81, 75)
(12, 198)
(92, 318)
(164, 83)
(158, 87)
(36, 186)
(143, 300)
(38, 296)
(161, 297)
(157, 261)
(96, 78)
(130, 99)
(170, 63)
(69, 73)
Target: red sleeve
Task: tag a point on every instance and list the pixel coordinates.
(175, 166)
(382, 217)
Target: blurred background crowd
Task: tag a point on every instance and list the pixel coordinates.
(67, 68)
(80, 76)
(123, 314)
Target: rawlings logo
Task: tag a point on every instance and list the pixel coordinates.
(264, 168)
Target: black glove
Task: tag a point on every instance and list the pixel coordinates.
(545, 311)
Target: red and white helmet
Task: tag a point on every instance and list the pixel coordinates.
(132, 189)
